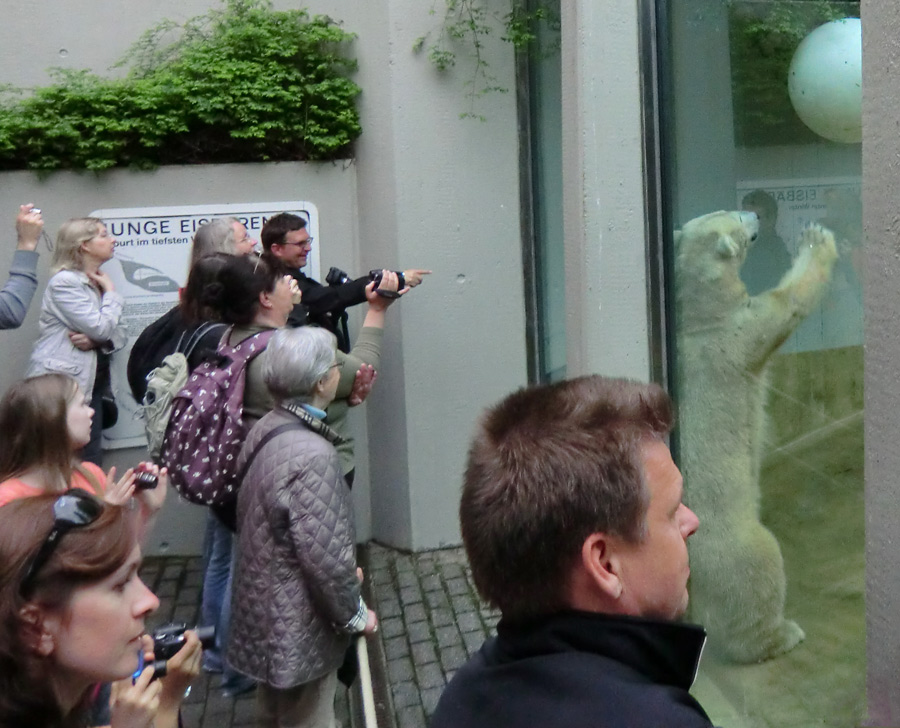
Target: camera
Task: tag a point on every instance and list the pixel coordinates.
(377, 274)
(167, 640)
(336, 277)
(145, 480)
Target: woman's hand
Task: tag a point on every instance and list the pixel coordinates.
(390, 283)
(135, 706)
(152, 499)
(296, 293)
(29, 225)
(181, 670)
(371, 623)
(362, 385)
(118, 492)
(103, 281)
(82, 341)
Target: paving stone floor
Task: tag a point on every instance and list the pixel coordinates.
(431, 621)
(177, 582)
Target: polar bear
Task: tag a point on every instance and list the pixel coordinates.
(725, 339)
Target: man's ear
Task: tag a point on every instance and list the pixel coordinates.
(36, 630)
(600, 565)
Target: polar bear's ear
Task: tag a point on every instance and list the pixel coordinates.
(726, 247)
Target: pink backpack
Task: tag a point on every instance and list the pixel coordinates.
(206, 429)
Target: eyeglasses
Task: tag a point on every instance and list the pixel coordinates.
(75, 509)
(308, 241)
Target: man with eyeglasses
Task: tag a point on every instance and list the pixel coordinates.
(16, 295)
(287, 244)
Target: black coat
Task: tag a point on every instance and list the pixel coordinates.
(579, 670)
(326, 306)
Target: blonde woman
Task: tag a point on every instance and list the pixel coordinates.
(80, 310)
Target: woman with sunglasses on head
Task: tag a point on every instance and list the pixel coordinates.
(72, 610)
(80, 312)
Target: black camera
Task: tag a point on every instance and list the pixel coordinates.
(336, 277)
(169, 638)
(145, 480)
(376, 276)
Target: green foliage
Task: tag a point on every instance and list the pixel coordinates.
(242, 84)
(763, 39)
(467, 25)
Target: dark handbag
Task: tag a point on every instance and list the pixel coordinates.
(109, 410)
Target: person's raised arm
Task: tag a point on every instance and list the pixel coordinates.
(16, 295)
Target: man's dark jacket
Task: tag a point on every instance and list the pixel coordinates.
(578, 669)
(325, 305)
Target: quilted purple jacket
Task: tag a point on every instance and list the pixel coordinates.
(295, 581)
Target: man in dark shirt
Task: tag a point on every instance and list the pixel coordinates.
(768, 258)
(575, 530)
(287, 243)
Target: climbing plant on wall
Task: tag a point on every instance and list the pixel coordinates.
(464, 28)
(243, 83)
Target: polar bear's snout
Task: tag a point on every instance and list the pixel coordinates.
(750, 221)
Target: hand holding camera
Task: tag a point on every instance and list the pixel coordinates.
(29, 225)
(173, 653)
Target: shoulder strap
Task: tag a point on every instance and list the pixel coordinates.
(245, 349)
(198, 333)
(271, 434)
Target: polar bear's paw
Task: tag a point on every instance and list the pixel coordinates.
(786, 637)
(820, 241)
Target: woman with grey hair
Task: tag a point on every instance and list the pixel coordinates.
(296, 591)
(222, 235)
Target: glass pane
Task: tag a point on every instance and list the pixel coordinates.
(763, 121)
(546, 154)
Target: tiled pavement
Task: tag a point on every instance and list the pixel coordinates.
(431, 621)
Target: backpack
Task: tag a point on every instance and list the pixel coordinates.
(206, 428)
(164, 383)
(158, 340)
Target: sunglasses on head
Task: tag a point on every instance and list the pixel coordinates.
(75, 509)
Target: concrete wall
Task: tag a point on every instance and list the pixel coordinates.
(434, 191)
(331, 187)
(603, 191)
(441, 193)
(881, 170)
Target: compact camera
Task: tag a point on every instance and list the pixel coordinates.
(145, 480)
(167, 640)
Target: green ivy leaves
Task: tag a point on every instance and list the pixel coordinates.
(242, 84)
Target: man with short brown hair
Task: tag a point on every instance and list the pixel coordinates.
(573, 523)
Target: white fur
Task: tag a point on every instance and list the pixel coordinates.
(725, 339)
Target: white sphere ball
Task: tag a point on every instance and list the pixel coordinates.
(825, 80)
